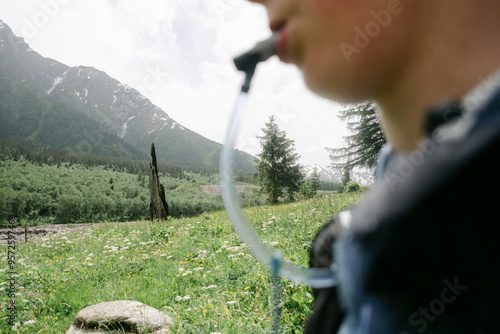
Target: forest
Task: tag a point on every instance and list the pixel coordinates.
(67, 192)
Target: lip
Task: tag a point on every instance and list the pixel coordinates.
(276, 25)
(282, 44)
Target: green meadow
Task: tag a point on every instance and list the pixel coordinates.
(195, 269)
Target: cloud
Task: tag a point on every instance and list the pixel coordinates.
(179, 54)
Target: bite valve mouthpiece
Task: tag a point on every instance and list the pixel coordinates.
(248, 61)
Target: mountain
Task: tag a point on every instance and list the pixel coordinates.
(326, 175)
(362, 176)
(117, 108)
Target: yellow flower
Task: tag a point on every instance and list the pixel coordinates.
(204, 311)
(247, 288)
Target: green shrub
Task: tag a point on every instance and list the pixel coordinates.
(351, 187)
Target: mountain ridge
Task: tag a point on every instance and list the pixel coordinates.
(117, 107)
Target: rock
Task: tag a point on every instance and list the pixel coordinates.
(123, 316)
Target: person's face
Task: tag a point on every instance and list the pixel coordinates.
(348, 50)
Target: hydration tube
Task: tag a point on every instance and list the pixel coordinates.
(315, 277)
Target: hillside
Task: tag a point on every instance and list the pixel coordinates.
(27, 114)
(117, 108)
(66, 193)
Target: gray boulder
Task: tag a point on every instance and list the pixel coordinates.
(123, 316)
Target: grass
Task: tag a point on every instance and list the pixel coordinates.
(196, 270)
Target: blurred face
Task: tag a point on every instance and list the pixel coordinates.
(348, 50)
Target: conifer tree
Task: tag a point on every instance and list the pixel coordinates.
(279, 171)
(365, 142)
(315, 180)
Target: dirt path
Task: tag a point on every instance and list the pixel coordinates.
(37, 232)
(216, 189)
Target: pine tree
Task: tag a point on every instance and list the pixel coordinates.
(315, 180)
(346, 175)
(365, 142)
(279, 171)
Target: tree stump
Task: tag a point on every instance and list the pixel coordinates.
(158, 206)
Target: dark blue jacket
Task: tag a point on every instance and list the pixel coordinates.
(421, 252)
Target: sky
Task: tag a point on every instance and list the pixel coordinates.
(178, 53)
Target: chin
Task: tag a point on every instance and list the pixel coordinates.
(335, 90)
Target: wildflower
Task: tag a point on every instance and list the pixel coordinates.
(209, 287)
(246, 288)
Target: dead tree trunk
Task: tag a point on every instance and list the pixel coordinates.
(158, 206)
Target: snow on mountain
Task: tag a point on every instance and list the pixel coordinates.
(117, 107)
(325, 174)
(363, 176)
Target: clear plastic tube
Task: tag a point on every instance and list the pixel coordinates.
(315, 277)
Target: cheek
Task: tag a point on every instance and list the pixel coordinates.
(354, 57)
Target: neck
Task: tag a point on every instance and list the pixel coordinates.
(453, 51)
